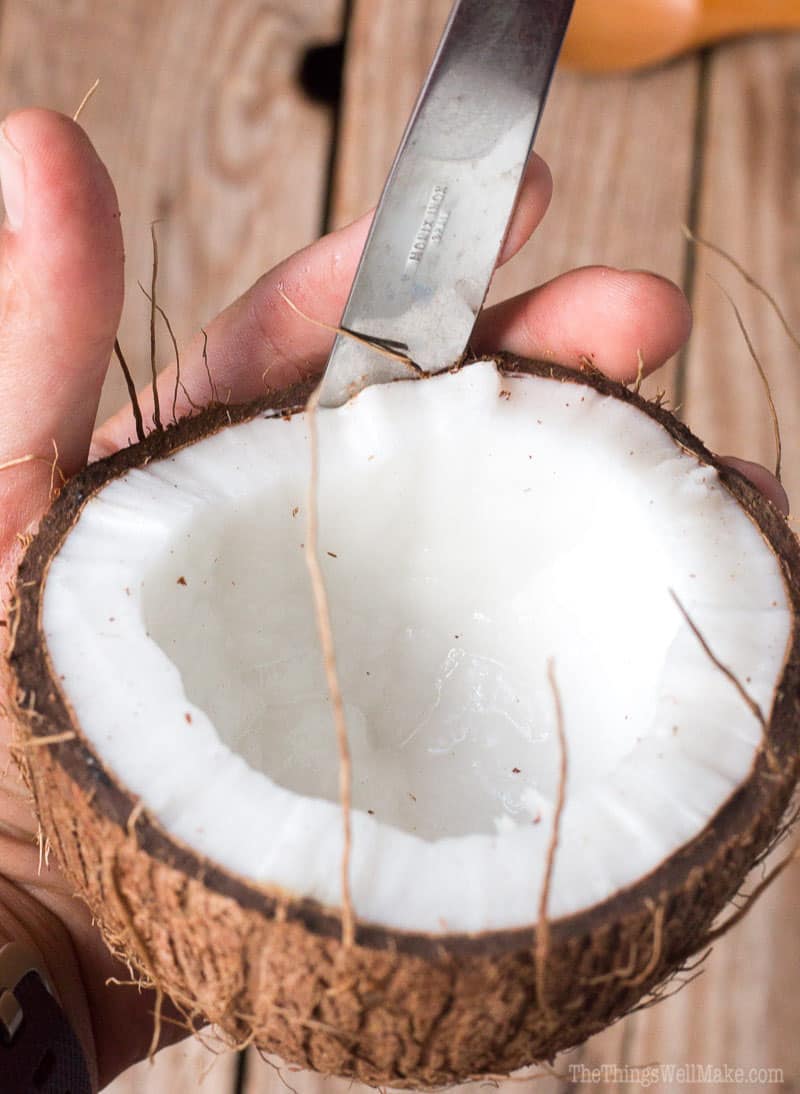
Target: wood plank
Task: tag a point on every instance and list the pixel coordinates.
(751, 207)
(182, 1069)
(389, 49)
(203, 125)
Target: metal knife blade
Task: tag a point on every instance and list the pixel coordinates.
(445, 208)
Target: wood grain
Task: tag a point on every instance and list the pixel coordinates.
(182, 1069)
(389, 49)
(750, 206)
(202, 123)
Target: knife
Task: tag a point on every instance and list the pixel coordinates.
(444, 212)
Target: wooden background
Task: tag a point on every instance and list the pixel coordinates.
(204, 121)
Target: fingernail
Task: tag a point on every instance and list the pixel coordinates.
(648, 273)
(12, 181)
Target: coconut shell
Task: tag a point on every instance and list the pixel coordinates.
(395, 1008)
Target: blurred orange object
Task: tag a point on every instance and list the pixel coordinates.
(605, 35)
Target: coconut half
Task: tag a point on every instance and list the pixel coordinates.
(475, 529)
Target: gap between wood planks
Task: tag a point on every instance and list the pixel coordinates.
(689, 277)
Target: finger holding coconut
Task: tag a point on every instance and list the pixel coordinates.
(473, 529)
(261, 341)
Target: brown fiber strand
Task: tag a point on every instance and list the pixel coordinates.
(189, 399)
(265, 1060)
(660, 996)
(156, 1038)
(86, 99)
(19, 460)
(133, 817)
(785, 830)
(728, 673)
(134, 398)
(179, 384)
(217, 1054)
(776, 426)
(329, 658)
(211, 385)
(657, 950)
(639, 372)
(53, 468)
(127, 917)
(154, 378)
(770, 299)
(142, 985)
(623, 974)
(53, 739)
(543, 925)
(691, 966)
(122, 944)
(373, 343)
(759, 890)
(12, 625)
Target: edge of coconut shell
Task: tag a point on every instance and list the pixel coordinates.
(399, 1007)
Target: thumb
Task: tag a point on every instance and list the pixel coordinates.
(61, 288)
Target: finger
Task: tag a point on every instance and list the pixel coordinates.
(260, 341)
(535, 192)
(762, 479)
(61, 285)
(608, 316)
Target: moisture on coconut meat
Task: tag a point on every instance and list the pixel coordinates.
(473, 527)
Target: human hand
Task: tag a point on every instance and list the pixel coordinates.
(61, 287)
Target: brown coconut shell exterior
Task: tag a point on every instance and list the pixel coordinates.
(408, 1010)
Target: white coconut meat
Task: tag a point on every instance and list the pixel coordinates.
(473, 528)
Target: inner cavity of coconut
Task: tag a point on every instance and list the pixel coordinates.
(473, 527)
